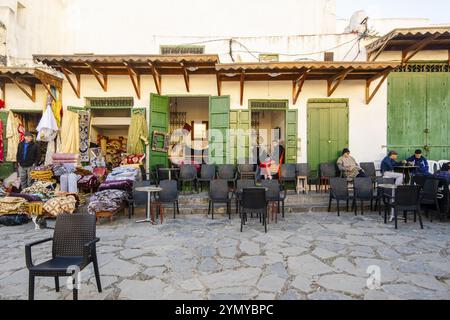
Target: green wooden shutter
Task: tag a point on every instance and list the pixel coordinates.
(291, 136)
(159, 121)
(219, 123)
(6, 168)
(240, 129)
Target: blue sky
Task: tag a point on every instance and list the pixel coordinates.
(436, 10)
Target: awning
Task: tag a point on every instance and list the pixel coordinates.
(26, 79)
(102, 66)
(410, 41)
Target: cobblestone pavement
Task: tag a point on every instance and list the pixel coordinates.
(305, 256)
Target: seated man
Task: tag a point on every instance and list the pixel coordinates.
(444, 173)
(389, 164)
(348, 165)
(421, 162)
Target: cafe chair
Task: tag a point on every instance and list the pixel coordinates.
(339, 192)
(406, 200)
(169, 195)
(254, 202)
(207, 174)
(219, 193)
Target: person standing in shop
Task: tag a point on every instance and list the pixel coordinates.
(28, 156)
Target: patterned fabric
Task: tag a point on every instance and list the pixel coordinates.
(70, 140)
(39, 188)
(85, 121)
(12, 135)
(42, 175)
(2, 151)
(138, 133)
(108, 200)
(133, 159)
(61, 205)
(27, 197)
(11, 205)
(88, 182)
(126, 185)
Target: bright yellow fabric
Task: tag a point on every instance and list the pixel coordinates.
(70, 134)
(13, 137)
(138, 134)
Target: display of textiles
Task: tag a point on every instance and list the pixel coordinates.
(124, 173)
(12, 205)
(126, 185)
(113, 150)
(84, 123)
(42, 175)
(69, 183)
(27, 197)
(108, 200)
(41, 188)
(88, 182)
(2, 147)
(60, 205)
(138, 133)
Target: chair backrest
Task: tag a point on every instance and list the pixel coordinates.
(140, 197)
(273, 188)
(419, 180)
(328, 170)
(169, 190)
(246, 168)
(242, 184)
(254, 198)
(219, 189)
(407, 195)
(369, 168)
(430, 188)
(161, 174)
(226, 172)
(188, 172)
(302, 169)
(442, 162)
(288, 171)
(339, 187)
(385, 181)
(72, 232)
(363, 187)
(208, 172)
(433, 166)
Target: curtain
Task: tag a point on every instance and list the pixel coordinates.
(70, 137)
(85, 123)
(138, 133)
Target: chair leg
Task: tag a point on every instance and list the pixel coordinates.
(57, 284)
(338, 208)
(97, 273)
(385, 214)
(174, 210)
(420, 218)
(362, 207)
(212, 209)
(329, 204)
(348, 205)
(209, 208)
(283, 209)
(178, 207)
(31, 287)
(396, 219)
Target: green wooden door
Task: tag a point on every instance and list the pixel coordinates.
(219, 123)
(418, 116)
(240, 129)
(159, 121)
(291, 136)
(6, 168)
(328, 132)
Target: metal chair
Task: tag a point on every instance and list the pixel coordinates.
(303, 172)
(339, 192)
(240, 186)
(363, 192)
(326, 172)
(219, 193)
(288, 174)
(169, 195)
(227, 172)
(207, 174)
(254, 202)
(275, 193)
(188, 174)
(406, 200)
(74, 248)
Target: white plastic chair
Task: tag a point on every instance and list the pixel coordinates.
(434, 166)
(442, 162)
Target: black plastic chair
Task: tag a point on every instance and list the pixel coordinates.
(288, 173)
(429, 197)
(326, 172)
(380, 191)
(303, 172)
(240, 186)
(419, 180)
(339, 192)
(219, 193)
(74, 246)
(369, 169)
(161, 174)
(247, 171)
(169, 195)
(188, 174)
(406, 200)
(254, 202)
(138, 198)
(363, 192)
(275, 193)
(207, 174)
(227, 172)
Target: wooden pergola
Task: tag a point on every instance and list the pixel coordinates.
(300, 72)
(411, 41)
(134, 66)
(27, 78)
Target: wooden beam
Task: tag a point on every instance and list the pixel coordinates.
(335, 81)
(156, 77)
(378, 53)
(102, 78)
(242, 81)
(67, 72)
(383, 75)
(298, 86)
(411, 51)
(20, 83)
(186, 77)
(47, 88)
(219, 84)
(135, 79)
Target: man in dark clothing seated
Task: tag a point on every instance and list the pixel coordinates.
(388, 166)
(444, 173)
(28, 156)
(421, 163)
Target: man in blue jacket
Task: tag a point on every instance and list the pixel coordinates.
(421, 163)
(388, 166)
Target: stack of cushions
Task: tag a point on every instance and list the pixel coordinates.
(65, 158)
(42, 175)
(13, 205)
(88, 182)
(125, 185)
(61, 205)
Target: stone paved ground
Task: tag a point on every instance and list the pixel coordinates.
(306, 256)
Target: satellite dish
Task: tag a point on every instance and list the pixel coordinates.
(357, 22)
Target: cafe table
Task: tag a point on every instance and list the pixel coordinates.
(150, 191)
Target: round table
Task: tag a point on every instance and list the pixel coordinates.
(170, 170)
(150, 190)
(406, 170)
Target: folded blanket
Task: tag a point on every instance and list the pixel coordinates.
(11, 205)
(27, 197)
(88, 182)
(65, 156)
(107, 200)
(125, 185)
(61, 205)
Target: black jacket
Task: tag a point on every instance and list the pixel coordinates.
(33, 155)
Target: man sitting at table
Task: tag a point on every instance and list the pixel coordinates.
(388, 166)
(444, 173)
(421, 163)
(348, 165)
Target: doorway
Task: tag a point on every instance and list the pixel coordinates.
(328, 131)
(268, 126)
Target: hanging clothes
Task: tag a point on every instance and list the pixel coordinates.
(138, 133)
(13, 138)
(70, 138)
(20, 127)
(85, 124)
(2, 146)
(56, 105)
(48, 131)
